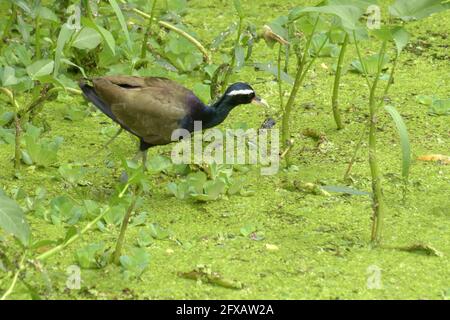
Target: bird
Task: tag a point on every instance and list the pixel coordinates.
(151, 108)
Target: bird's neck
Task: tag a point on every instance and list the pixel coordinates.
(217, 113)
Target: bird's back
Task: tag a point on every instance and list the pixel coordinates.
(150, 107)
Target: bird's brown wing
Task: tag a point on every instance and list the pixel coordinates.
(150, 107)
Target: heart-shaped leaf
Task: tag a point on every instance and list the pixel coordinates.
(409, 10)
(87, 39)
(9, 76)
(12, 220)
(40, 68)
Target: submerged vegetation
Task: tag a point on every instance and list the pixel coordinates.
(69, 219)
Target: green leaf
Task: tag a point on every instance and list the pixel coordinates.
(90, 257)
(401, 38)
(440, 107)
(23, 5)
(423, 99)
(214, 188)
(362, 4)
(238, 7)
(40, 68)
(71, 232)
(348, 14)
(272, 68)
(397, 34)
(144, 238)
(42, 152)
(176, 6)
(248, 230)
(12, 220)
(345, 190)
(196, 181)
(159, 163)
(106, 35)
(404, 139)
(47, 14)
(122, 22)
(87, 39)
(64, 35)
(223, 36)
(6, 117)
(73, 174)
(318, 48)
(239, 53)
(158, 232)
(136, 263)
(70, 63)
(409, 10)
(203, 91)
(423, 248)
(9, 76)
(370, 63)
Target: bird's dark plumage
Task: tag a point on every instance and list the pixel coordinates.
(152, 108)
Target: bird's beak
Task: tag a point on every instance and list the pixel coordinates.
(260, 102)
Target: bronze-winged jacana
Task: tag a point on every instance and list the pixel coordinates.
(151, 108)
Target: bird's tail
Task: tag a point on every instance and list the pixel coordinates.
(90, 94)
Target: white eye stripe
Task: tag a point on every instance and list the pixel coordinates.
(240, 92)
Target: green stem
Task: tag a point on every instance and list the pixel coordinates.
(123, 228)
(18, 128)
(302, 70)
(337, 79)
(377, 200)
(167, 25)
(37, 37)
(358, 146)
(34, 104)
(18, 134)
(363, 66)
(10, 22)
(355, 153)
(61, 247)
(15, 278)
(280, 85)
(233, 56)
(147, 31)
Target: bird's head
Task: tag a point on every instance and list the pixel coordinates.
(242, 93)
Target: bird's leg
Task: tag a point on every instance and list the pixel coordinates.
(107, 143)
(113, 138)
(144, 159)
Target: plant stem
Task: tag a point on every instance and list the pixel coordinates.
(167, 25)
(123, 228)
(37, 37)
(17, 153)
(147, 31)
(61, 247)
(16, 276)
(280, 85)
(10, 22)
(355, 153)
(34, 104)
(233, 56)
(18, 128)
(378, 203)
(358, 146)
(299, 77)
(337, 79)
